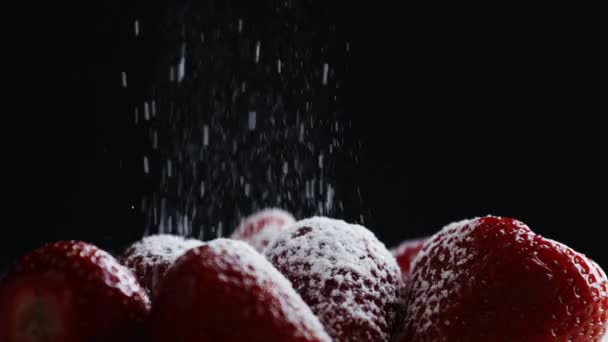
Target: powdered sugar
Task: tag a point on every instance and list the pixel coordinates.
(349, 279)
(429, 287)
(161, 247)
(260, 229)
(150, 257)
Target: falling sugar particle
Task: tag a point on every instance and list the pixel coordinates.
(153, 108)
(136, 115)
(325, 71)
(307, 190)
(220, 230)
(247, 190)
(329, 199)
(146, 111)
(257, 52)
(169, 168)
(136, 28)
(240, 25)
(279, 66)
(205, 135)
(146, 165)
(123, 78)
(154, 140)
(252, 120)
(181, 69)
(202, 189)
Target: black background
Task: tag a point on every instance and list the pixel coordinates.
(464, 110)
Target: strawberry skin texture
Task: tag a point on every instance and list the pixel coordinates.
(79, 291)
(226, 291)
(345, 274)
(150, 258)
(493, 279)
(405, 254)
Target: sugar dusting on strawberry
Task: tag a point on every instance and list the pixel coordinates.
(493, 279)
(261, 228)
(349, 279)
(70, 291)
(226, 291)
(150, 257)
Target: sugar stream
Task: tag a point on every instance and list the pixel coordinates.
(245, 114)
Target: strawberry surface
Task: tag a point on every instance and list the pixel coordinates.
(260, 229)
(226, 291)
(405, 254)
(493, 279)
(348, 277)
(70, 291)
(150, 257)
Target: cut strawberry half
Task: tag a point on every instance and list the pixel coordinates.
(38, 313)
(70, 291)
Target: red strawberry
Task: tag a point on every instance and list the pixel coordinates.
(261, 228)
(70, 291)
(226, 291)
(405, 254)
(349, 279)
(150, 257)
(493, 279)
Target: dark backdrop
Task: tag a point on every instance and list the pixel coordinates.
(464, 110)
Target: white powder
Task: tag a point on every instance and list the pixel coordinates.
(150, 257)
(348, 277)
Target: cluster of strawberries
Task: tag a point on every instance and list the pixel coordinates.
(318, 279)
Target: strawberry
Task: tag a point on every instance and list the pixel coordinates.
(226, 291)
(70, 291)
(261, 228)
(493, 279)
(405, 253)
(349, 279)
(150, 257)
